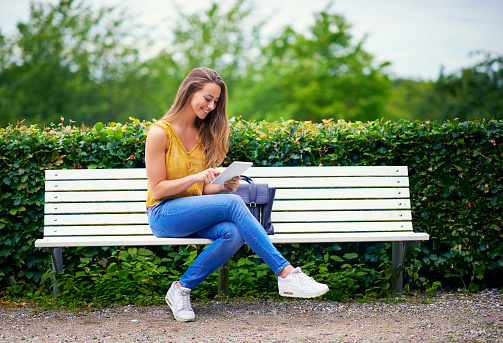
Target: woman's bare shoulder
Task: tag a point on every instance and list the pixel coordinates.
(156, 130)
(157, 135)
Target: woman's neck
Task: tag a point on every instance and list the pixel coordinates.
(185, 120)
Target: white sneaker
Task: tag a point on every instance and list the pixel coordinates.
(179, 302)
(298, 285)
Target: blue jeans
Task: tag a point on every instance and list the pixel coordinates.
(225, 219)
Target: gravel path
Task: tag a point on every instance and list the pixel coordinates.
(448, 317)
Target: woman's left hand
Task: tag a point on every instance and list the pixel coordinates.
(232, 184)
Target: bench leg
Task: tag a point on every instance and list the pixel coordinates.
(223, 279)
(57, 267)
(398, 259)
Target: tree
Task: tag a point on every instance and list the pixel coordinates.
(409, 99)
(218, 40)
(475, 92)
(70, 61)
(215, 38)
(66, 61)
(315, 76)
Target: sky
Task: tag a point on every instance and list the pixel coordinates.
(418, 37)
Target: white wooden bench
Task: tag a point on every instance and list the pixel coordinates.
(106, 207)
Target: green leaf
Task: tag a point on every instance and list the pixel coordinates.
(145, 252)
(336, 258)
(113, 267)
(350, 256)
(98, 126)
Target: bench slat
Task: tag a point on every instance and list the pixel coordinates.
(96, 207)
(279, 238)
(343, 182)
(339, 216)
(97, 230)
(110, 230)
(96, 185)
(322, 193)
(343, 193)
(335, 182)
(290, 205)
(140, 173)
(94, 174)
(335, 205)
(343, 227)
(277, 217)
(94, 196)
(95, 219)
(349, 237)
(104, 241)
(330, 171)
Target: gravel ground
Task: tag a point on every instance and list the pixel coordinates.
(448, 317)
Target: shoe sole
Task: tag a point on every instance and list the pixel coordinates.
(180, 319)
(294, 294)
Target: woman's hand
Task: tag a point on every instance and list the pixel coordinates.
(206, 176)
(228, 187)
(232, 184)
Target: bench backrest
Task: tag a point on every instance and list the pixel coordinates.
(105, 202)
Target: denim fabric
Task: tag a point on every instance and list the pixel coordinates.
(225, 219)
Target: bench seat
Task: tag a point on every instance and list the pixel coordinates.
(99, 241)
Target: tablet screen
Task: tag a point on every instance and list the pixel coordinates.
(235, 169)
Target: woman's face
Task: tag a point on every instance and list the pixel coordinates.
(205, 100)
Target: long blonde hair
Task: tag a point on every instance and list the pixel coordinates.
(213, 132)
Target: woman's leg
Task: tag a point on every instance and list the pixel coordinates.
(197, 216)
(226, 242)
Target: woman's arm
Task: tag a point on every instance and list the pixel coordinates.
(155, 163)
(228, 187)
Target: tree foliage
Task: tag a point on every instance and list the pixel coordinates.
(409, 99)
(69, 60)
(216, 39)
(316, 75)
(475, 92)
(470, 93)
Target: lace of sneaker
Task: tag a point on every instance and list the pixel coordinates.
(304, 279)
(183, 300)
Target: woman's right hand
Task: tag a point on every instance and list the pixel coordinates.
(207, 176)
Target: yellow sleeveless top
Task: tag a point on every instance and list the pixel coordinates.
(180, 163)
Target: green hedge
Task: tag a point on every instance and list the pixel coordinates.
(456, 180)
(455, 171)
(25, 153)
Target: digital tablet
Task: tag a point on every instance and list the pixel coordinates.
(235, 169)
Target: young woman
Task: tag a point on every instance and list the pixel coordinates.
(182, 151)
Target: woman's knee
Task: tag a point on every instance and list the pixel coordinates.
(234, 199)
(237, 203)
